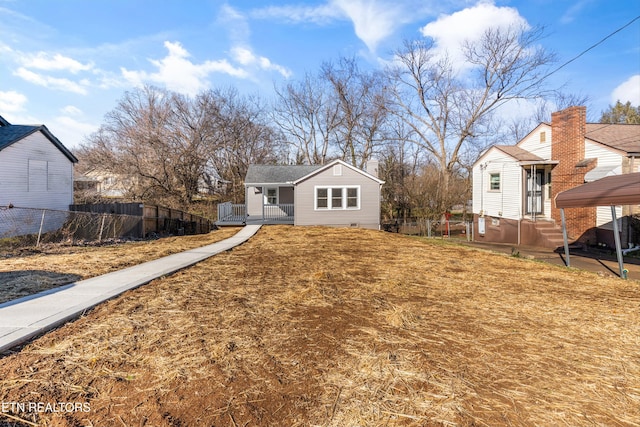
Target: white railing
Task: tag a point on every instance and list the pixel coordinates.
(231, 212)
(283, 211)
(228, 212)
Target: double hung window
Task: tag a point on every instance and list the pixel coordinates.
(336, 198)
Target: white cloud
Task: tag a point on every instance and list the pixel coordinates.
(628, 90)
(70, 131)
(241, 51)
(179, 74)
(246, 57)
(449, 32)
(56, 83)
(12, 102)
(71, 110)
(575, 9)
(298, 14)
(373, 20)
(57, 62)
(236, 22)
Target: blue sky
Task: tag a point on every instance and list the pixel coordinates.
(66, 63)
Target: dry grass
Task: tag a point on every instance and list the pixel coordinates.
(41, 269)
(343, 327)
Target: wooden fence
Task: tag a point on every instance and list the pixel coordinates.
(153, 219)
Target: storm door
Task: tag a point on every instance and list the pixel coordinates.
(535, 184)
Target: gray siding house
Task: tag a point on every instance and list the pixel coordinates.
(36, 171)
(336, 194)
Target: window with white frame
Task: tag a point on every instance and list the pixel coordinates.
(494, 182)
(272, 196)
(337, 197)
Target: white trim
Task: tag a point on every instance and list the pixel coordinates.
(492, 190)
(265, 195)
(344, 207)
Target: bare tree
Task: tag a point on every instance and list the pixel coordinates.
(175, 150)
(307, 116)
(244, 136)
(450, 109)
(360, 97)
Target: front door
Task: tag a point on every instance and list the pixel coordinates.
(535, 183)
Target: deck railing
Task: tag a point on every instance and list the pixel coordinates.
(283, 211)
(233, 213)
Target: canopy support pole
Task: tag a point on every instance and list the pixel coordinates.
(564, 237)
(616, 237)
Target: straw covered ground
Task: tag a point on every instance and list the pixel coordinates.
(343, 327)
(28, 271)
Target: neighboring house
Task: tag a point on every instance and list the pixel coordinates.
(335, 194)
(514, 186)
(106, 184)
(109, 185)
(36, 171)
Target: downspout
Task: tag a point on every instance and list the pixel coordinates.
(616, 237)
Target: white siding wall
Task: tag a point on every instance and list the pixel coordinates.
(532, 142)
(51, 180)
(604, 219)
(254, 201)
(606, 157)
(368, 216)
(506, 203)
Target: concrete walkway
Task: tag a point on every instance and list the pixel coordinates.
(27, 317)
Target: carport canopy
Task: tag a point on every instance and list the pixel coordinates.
(608, 191)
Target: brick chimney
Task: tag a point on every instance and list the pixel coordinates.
(568, 129)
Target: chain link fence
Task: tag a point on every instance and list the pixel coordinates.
(454, 229)
(27, 227)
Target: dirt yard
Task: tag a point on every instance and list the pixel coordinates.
(342, 327)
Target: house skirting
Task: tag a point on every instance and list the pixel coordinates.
(508, 231)
(496, 230)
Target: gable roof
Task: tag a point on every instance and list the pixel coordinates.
(292, 174)
(518, 153)
(10, 134)
(333, 163)
(277, 174)
(623, 137)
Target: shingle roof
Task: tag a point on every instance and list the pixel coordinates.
(619, 136)
(12, 133)
(266, 174)
(518, 153)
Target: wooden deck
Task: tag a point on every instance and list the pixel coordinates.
(235, 214)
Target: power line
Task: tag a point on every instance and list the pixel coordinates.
(591, 47)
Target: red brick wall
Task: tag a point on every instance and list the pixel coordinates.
(567, 146)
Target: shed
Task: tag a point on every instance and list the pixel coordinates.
(609, 191)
